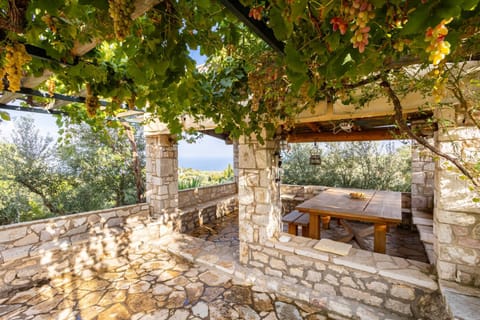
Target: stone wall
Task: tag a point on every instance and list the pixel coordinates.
(203, 205)
(423, 172)
(457, 216)
(293, 195)
(32, 252)
(198, 196)
(347, 284)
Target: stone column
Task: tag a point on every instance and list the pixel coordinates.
(423, 172)
(457, 216)
(258, 193)
(162, 178)
(235, 160)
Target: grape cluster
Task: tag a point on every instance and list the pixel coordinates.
(91, 102)
(358, 14)
(256, 12)
(51, 87)
(438, 47)
(15, 57)
(120, 11)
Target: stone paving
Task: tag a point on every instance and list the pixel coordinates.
(400, 242)
(149, 284)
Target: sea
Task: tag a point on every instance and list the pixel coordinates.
(205, 163)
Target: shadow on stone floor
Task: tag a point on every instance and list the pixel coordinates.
(402, 243)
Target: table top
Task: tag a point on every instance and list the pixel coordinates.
(376, 206)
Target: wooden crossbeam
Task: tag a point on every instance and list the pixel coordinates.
(370, 135)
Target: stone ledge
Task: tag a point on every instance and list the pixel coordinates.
(462, 302)
(412, 272)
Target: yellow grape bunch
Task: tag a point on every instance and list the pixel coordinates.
(120, 11)
(438, 47)
(15, 58)
(357, 14)
(91, 102)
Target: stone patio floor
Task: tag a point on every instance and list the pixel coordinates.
(147, 284)
(400, 242)
(151, 283)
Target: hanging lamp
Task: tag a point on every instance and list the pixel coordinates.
(315, 158)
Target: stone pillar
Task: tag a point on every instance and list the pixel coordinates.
(423, 172)
(258, 193)
(235, 160)
(162, 178)
(457, 216)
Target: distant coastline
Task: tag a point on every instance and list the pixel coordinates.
(207, 164)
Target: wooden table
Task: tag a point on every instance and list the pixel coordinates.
(382, 208)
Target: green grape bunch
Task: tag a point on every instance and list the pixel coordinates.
(121, 11)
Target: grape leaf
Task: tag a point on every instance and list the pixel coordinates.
(5, 116)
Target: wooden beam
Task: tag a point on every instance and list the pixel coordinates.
(365, 135)
(260, 28)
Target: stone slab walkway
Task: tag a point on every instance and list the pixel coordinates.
(150, 284)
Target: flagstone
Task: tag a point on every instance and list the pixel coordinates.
(113, 296)
(115, 312)
(141, 302)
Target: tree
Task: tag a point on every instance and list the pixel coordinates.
(88, 171)
(30, 161)
(105, 165)
(365, 165)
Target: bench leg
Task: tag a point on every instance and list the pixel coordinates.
(292, 228)
(305, 231)
(326, 222)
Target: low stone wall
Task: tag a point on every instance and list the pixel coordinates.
(197, 196)
(293, 195)
(405, 287)
(203, 205)
(33, 252)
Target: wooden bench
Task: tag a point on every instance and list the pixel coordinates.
(296, 219)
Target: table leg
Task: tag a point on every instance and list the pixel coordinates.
(380, 237)
(326, 222)
(314, 228)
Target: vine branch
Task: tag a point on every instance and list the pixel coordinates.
(405, 128)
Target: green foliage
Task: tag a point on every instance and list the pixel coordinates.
(365, 165)
(88, 171)
(192, 178)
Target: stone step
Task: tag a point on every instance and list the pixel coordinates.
(463, 302)
(432, 257)
(422, 214)
(422, 221)
(426, 233)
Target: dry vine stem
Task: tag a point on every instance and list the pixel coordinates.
(405, 128)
